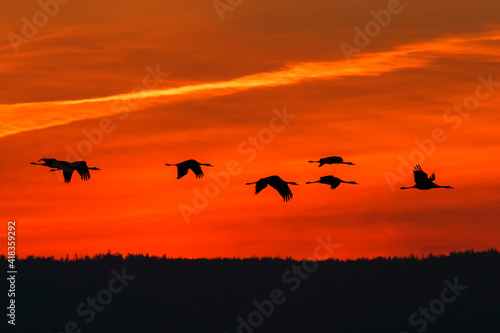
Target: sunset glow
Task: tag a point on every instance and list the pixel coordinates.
(130, 87)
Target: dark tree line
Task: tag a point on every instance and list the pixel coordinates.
(142, 293)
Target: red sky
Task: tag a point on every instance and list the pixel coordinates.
(81, 84)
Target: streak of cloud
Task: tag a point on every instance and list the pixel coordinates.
(20, 117)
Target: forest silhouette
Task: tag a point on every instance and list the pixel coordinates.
(216, 295)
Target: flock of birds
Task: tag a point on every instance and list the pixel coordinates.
(422, 180)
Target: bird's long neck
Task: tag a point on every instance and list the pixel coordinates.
(348, 182)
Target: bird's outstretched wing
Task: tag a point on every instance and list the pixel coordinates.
(419, 175)
(336, 159)
(332, 181)
(283, 190)
(333, 186)
(260, 185)
(66, 169)
(82, 169)
(197, 170)
(67, 173)
(332, 160)
(182, 170)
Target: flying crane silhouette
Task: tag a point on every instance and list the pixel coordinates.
(422, 181)
(68, 168)
(334, 182)
(277, 183)
(183, 168)
(331, 160)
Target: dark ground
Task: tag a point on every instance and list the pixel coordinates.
(181, 295)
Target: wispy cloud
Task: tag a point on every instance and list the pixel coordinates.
(20, 117)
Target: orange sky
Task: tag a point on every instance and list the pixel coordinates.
(81, 85)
